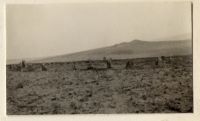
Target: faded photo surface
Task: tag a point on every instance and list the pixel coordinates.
(99, 58)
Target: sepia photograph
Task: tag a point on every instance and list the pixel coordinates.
(99, 58)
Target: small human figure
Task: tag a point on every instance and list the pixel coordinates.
(108, 63)
(43, 67)
(129, 64)
(90, 65)
(74, 66)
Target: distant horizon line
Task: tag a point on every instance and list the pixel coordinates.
(36, 58)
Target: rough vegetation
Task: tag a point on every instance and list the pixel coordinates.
(145, 85)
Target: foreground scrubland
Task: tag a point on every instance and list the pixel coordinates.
(145, 87)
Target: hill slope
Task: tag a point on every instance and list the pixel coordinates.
(133, 49)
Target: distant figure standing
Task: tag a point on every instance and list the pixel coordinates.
(43, 67)
(23, 64)
(90, 65)
(129, 65)
(156, 62)
(108, 62)
(162, 58)
(160, 61)
(74, 66)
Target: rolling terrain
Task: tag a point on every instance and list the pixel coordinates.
(133, 49)
(145, 87)
(158, 79)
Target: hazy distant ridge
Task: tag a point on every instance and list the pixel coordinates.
(133, 49)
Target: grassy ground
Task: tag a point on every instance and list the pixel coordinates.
(144, 88)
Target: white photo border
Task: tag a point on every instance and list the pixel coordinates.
(195, 116)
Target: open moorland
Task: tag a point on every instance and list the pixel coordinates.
(145, 86)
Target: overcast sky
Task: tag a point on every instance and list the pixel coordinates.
(55, 29)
